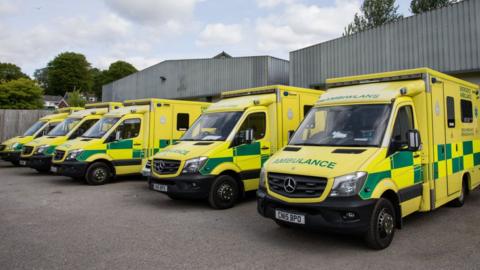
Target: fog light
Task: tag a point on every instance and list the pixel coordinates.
(349, 216)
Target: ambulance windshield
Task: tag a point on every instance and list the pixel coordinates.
(212, 127)
(101, 127)
(350, 125)
(34, 128)
(63, 128)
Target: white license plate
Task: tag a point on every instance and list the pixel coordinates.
(289, 217)
(23, 162)
(159, 187)
(54, 169)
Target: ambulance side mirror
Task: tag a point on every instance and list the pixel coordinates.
(414, 142)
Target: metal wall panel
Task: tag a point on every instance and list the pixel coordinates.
(198, 78)
(446, 39)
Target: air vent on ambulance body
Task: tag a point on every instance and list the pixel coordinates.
(203, 143)
(348, 151)
(292, 149)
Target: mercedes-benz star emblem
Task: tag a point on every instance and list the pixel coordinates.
(161, 165)
(289, 184)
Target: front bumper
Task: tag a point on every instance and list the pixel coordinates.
(186, 186)
(40, 162)
(330, 215)
(75, 169)
(11, 156)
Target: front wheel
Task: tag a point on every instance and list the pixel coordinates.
(460, 201)
(223, 193)
(382, 225)
(98, 173)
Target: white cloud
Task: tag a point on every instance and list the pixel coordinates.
(32, 48)
(220, 34)
(7, 7)
(300, 25)
(153, 11)
(272, 3)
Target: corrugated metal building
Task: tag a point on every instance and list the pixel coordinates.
(201, 79)
(446, 39)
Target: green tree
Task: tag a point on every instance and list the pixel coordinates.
(373, 13)
(68, 71)
(9, 72)
(98, 77)
(75, 99)
(41, 76)
(118, 70)
(420, 6)
(22, 93)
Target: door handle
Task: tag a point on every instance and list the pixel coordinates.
(265, 148)
(416, 155)
(137, 144)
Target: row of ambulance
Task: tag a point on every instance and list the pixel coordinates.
(356, 158)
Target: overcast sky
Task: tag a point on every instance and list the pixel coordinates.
(145, 32)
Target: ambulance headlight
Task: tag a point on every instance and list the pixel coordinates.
(194, 165)
(263, 177)
(17, 146)
(72, 155)
(42, 148)
(348, 185)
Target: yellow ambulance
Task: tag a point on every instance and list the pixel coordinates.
(11, 149)
(220, 156)
(123, 140)
(374, 149)
(38, 153)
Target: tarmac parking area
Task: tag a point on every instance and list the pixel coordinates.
(51, 222)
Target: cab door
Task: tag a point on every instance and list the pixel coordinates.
(125, 146)
(249, 156)
(406, 169)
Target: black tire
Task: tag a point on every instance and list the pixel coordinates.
(98, 173)
(223, 192)
(460, 201)
(15, 163)
(382, 225)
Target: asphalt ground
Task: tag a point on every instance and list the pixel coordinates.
(51, 222)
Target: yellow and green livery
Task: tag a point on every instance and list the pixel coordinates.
(374, 149)
(124, 139)
(38, 153)
(220, 156)
(11, 149)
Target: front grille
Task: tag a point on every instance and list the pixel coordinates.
(148, 165)
(59, 154)
(304, 186)
(166, 166)
(27, 150)
(2, 147)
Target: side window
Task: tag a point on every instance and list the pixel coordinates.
(450, 112)
(403, 123)
(257, 122)
(183, 119)
(466, 111)
(130, 128)
(306, 109)
(83, 128)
